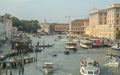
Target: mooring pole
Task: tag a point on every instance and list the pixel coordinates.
(10, 68)
(6, 69)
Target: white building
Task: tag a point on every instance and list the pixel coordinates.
(5, 27)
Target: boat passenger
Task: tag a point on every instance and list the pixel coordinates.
(94, 63)
(82, 63)
(97, 64)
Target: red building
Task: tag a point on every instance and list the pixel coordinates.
(61, 27)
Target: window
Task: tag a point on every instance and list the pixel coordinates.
(117, 15)
(117, 21)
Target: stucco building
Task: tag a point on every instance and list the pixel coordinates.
(104, 23)
(5, 27)
(61, 27)
(78, 26)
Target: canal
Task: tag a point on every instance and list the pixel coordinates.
(65, 64)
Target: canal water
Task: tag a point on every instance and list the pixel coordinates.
(64, 64)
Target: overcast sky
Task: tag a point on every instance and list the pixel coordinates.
(52, 10)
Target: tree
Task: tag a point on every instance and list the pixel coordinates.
(117, 36)
(26, 25)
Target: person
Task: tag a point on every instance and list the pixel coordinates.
(94, 63)
(97, 64)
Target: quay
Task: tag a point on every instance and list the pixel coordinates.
(15, 63)
(14, 58)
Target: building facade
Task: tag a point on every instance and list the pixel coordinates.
(61, 27)
(104, 23)
(78, 27)
(5, 27)
(45, 27)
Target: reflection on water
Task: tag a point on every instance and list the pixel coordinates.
(64, 64)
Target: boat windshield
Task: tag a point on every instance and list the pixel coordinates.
(90, 72)
(96, 72)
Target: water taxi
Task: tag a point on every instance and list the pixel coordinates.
(71, 45)
(85, 44)
(48, 67)
(89, 67)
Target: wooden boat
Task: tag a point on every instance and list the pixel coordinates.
(48, 67)
(89, 67)
(71, 45)
(85, 44)
(47, 45)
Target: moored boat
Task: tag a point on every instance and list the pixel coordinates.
(85, 44)
(89, 67)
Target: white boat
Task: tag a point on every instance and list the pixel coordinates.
(113, 62)
(116, 46)
(89, 67)
(71, 45)
(85, 44)
(48, 67)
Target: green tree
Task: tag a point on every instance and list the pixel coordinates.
(117, 34)
(26, 25)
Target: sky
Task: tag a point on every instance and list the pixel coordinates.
(54, 11)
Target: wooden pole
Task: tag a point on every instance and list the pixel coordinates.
(6, 69)
(0, 70)
(10, 68)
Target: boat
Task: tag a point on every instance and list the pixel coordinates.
(89, 67)
(47, 45)
(116, 46)
(113, 62)
(71, 45)
(86, 44)
(96, 42)
(48, 67)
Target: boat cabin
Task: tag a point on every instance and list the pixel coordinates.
(48, 65)
(71, 45)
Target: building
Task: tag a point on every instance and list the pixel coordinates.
(113, 18)
(45, 27)
(61, 27)
(5, 27)
(104, 23)
(78, 26)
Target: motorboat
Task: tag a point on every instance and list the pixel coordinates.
(48, 67)
(116, 46)
(89, 67)
(85, 44)
(113, 62)
(71, 45)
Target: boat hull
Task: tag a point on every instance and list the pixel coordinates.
(85, 46)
